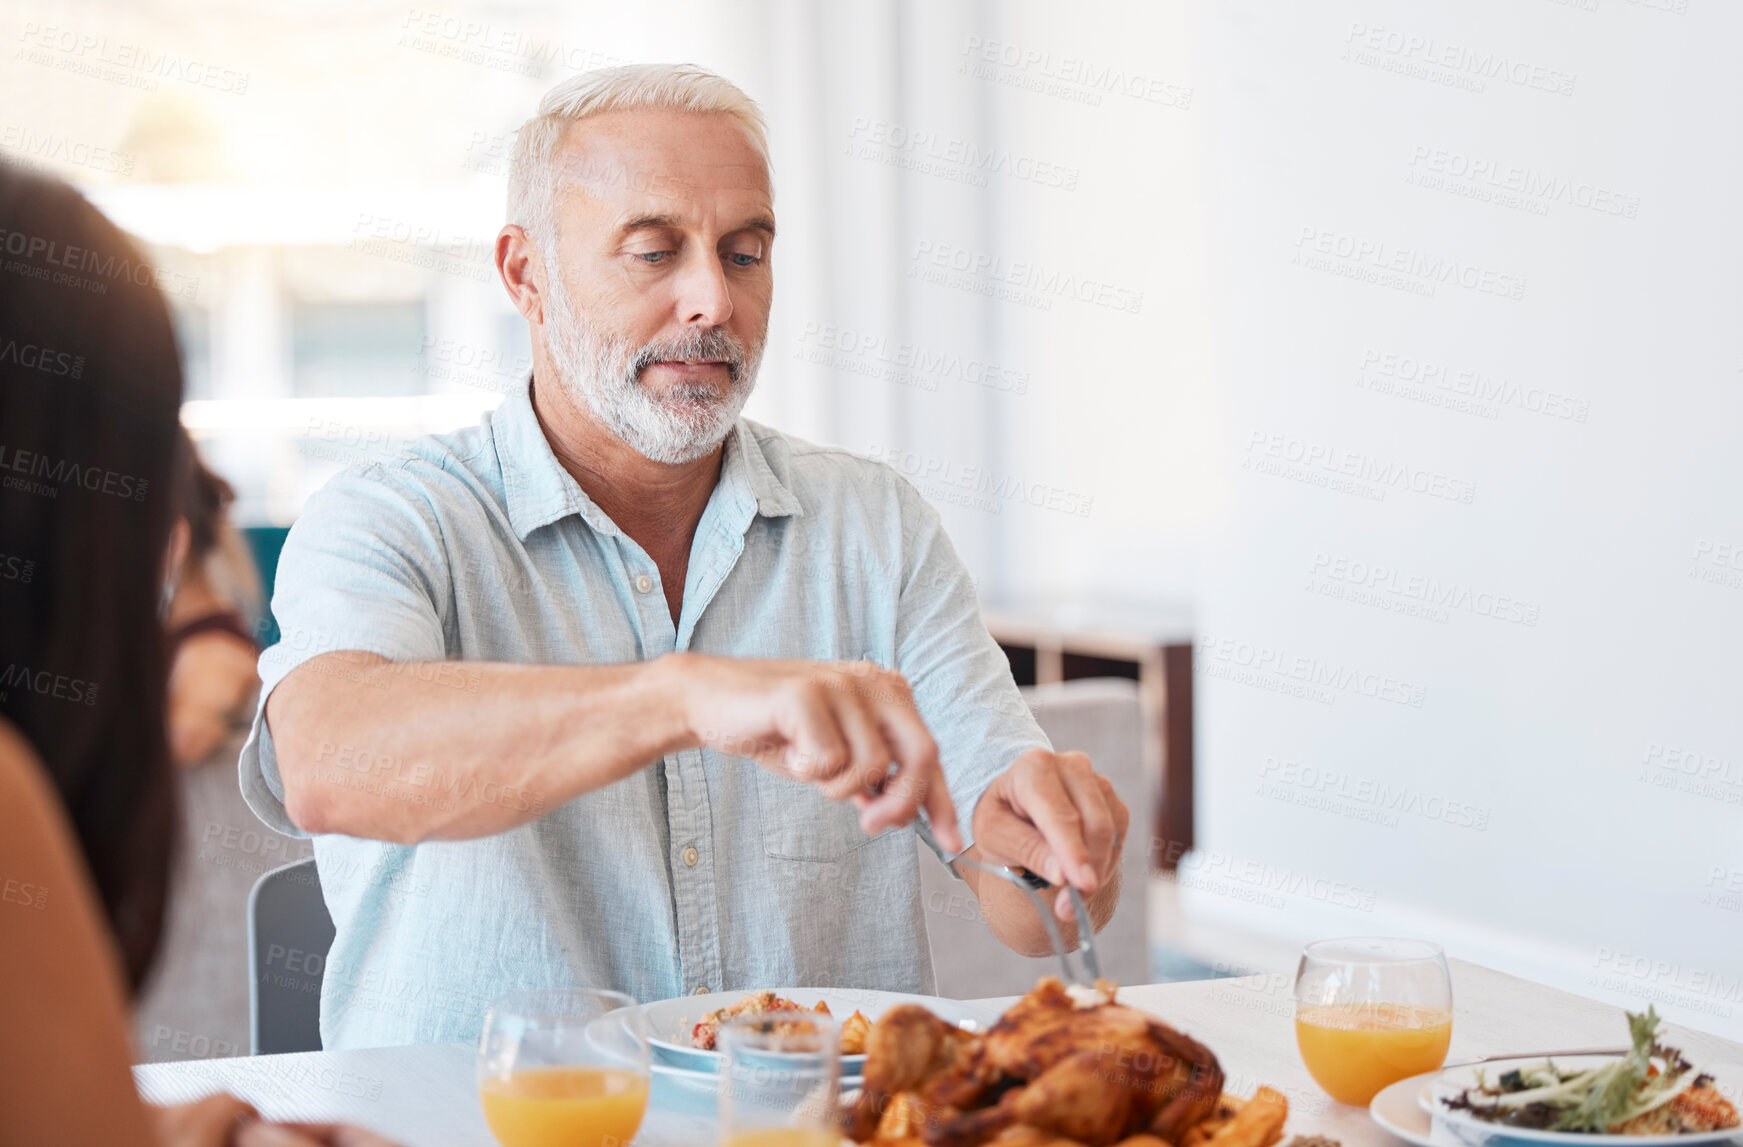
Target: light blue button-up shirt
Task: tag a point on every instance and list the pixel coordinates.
(701, 870)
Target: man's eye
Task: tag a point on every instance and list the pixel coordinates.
(653, 256)
(740, 259)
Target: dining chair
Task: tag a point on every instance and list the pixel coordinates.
(289, 933)
(1101, 716)
(265, 543)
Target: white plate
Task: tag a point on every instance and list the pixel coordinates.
(1398, 1109)
(1728, 1077)
(670, 1021)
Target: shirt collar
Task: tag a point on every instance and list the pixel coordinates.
(744, 452)
(539, 491)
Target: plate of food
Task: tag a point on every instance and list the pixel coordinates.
(1649, 1094)
(1061, 1065)
(1398, 1108)
(682, 1031)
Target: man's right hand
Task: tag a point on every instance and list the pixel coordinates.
(836, 725)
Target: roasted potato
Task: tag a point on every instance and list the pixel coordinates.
(1258, 1122)
(854, 1029)
(902, 1119)
(1201, 1132)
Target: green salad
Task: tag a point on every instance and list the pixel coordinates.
(1547, 1098)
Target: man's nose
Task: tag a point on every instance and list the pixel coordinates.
(703, 296)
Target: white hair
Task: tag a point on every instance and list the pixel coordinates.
(532, 179)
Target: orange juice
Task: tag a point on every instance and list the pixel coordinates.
(783, 1137)
(1354, 1050)
(565, 1107)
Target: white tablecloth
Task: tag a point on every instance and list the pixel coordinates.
(425, 1095)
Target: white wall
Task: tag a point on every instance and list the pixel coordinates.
(1049, 150)
(1606, 861)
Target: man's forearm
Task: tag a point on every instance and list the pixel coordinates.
(454, 750)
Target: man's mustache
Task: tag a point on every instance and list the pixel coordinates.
(714, 343)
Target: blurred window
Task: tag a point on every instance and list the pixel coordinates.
(194, 334)
(354, 348)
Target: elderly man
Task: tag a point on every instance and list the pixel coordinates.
(621, 688)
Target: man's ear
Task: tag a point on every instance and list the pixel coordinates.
(522, 271)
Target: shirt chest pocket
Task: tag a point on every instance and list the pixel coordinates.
(798, 823)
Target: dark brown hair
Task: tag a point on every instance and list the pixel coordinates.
(90, 390)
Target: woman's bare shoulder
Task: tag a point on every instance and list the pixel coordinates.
(65, 1038)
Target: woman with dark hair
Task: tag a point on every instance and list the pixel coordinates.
(212, 652)
(90, 392)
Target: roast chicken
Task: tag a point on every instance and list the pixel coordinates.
(1096, 1074)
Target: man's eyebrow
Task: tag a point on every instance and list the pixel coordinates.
(763, 223)
(648, 222)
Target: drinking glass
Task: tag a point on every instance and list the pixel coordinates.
(780, 1080)
(564, 1067)
(1370, 1011)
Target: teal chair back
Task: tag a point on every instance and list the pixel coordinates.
(265, 543)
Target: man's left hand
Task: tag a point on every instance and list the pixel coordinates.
(1053, 814)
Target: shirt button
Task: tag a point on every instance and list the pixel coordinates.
(701, 990)
(691, 856)
(644, 584)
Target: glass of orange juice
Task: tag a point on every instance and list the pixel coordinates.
(564, 1067)
(780, 1080)
(1370, 1011)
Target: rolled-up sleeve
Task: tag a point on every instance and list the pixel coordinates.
(961, 678)
(364, 568)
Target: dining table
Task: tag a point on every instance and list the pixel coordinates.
(426, 1095)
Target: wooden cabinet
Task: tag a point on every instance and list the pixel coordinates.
(1049, 642)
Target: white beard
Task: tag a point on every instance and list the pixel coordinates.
(604, 371)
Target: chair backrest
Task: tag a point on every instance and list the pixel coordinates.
(1104, 718)
(264, 544)
(289, 933)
